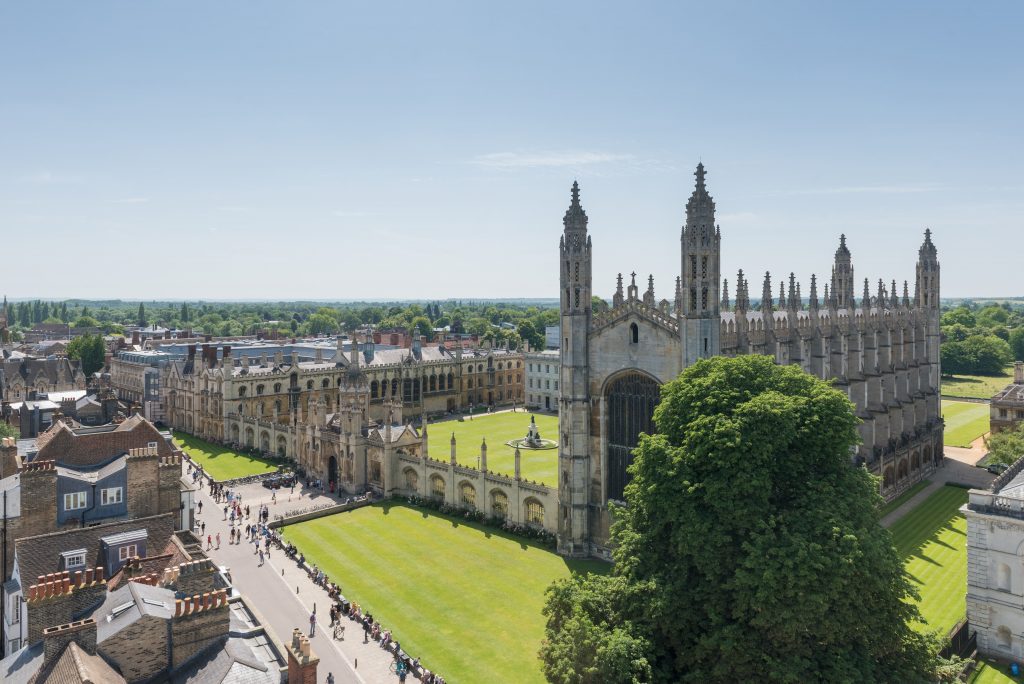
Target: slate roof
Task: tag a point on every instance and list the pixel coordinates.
(40, 555)
(22, 666)
(234, 662)
(94, 445)
(29, 369)
(130, 603)
(75, 666)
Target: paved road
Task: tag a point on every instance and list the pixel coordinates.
(271, 589)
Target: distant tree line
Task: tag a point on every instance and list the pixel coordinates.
(500, 322)
(980, 340)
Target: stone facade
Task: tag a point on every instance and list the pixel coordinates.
(542, 376)
(881, 350)
(995, 565)
(208, 398)
(24, 378)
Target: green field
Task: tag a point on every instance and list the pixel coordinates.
(965, 422)
(989, 672)
(975, 386)
(932, 539)
(464, 598)
(902, 498)
(498, 428)
(220, 462)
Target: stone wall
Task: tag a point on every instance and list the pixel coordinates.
(198, 622)
(62, 598)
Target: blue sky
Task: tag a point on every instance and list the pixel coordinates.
(410, 150)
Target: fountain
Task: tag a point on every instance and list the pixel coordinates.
(533, 440)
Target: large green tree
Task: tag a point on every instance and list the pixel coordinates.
(90, 350)
(749, 548)
(1006, 446)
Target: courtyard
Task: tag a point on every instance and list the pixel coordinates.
(465, 598)
(932, 539)
(966, 421)
(220, 462)
(498, 428)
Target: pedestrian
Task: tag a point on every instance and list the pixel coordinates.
(330, 678)
(273, 497)
(203, 528)
(209, 542)
(218, 540)
(225, 512)
(261, 558)
(312, 624)
(248, 531)
(200, 507)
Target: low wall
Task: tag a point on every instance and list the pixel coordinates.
(286, 519)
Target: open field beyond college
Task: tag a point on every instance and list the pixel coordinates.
(220, 462)
(965, 422)
(465, 598)
(498, 428)
(933, 542)
(975, 386)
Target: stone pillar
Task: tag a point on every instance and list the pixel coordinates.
(483, 456)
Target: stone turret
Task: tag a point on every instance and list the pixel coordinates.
(700, 324)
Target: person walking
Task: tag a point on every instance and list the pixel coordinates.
(218, 540)
(312, 624)
(203, 528)
(200, 507)
(225, 512)
(261, 559)
(209, 542)
(330, 678)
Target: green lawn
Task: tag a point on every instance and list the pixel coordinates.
(902, 498)
(991, 672)
(220, 462)
(464, 598)
(975, 386)
(933, 542)
(965, 422)
(498, 428)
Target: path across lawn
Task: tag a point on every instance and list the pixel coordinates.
(465, 598)
(220, 462)
(932, 539)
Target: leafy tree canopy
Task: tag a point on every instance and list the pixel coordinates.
(90, 350)
(1006, 446)
(749, 549)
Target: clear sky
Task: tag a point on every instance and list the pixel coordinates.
(272, 150)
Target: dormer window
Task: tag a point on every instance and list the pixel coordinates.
(72, 560)
(126, 552)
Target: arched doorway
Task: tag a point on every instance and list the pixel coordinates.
(332, 471)
(630, 400)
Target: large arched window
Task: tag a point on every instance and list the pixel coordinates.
(499, 504)
(259, 389)
(630, 400)
(437, 487)
(412, 480)
(1003, 577)
(467, 495)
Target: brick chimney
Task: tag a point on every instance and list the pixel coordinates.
(136, 339)
(8, 457)
(56, 638)
(301, 660)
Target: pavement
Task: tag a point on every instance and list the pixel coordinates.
(284, 594)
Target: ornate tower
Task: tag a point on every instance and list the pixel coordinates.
(927, 291)
(842, 277)
(700, 318)
(574, 402)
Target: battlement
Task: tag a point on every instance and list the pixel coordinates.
(200, 602)
(172, 573)
(39, 466)
(63, 583)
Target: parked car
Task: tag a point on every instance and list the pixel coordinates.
(996, 468)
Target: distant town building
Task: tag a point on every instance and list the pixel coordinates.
(1007, 406)
(26, 377)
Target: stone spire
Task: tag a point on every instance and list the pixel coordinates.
(906, 295)
(894, 299)
(799, 299)
(632, 290)
(866, 301)
(725, 295)
(679, 295)
(649, 295)
(813, 302)
(882, 296)
(928, 273)
(742, 295)
(575, 218)
(792, 292)
(829, 302)
(842, 277)
(766, 293)
(617, 297)
(783, 302)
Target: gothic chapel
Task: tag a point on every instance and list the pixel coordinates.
(881, 349)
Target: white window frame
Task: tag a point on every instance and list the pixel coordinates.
(71, 498)
(68, 565)
(111, 496)
(127, 551)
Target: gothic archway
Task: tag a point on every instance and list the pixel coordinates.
(630, 400)
(332, 471)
